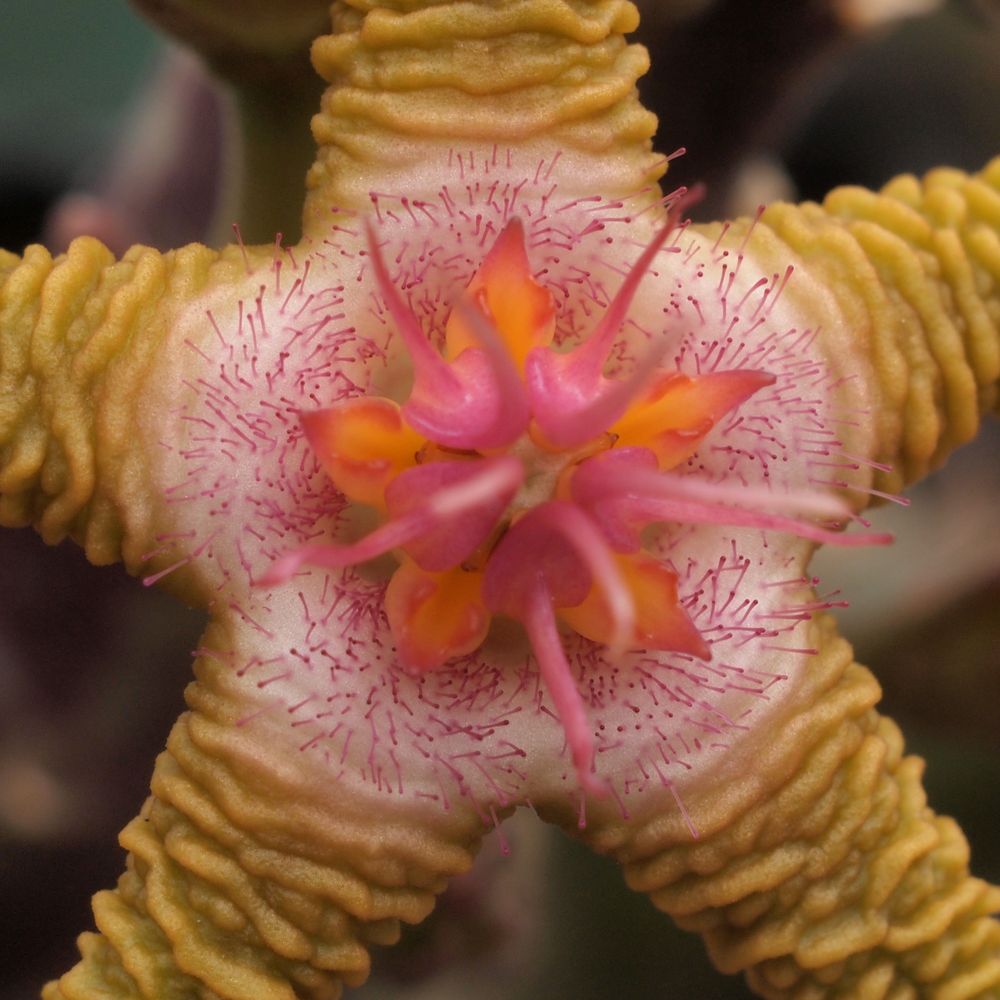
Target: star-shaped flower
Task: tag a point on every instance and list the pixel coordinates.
(501, 488)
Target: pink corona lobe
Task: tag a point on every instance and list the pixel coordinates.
(520, 479)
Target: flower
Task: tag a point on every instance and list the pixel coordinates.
(495, 381)
(512, 479)
(518, 479)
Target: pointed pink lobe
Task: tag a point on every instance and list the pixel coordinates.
(624, 492)
(557, 543)
(540, 624)
(571, 400)
(477, 401)
(439, 513)
(466, 498)
(551, 559)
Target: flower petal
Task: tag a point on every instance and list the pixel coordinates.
(435, 617)
(660, 621)
(362, 445)
(673, 417)
(504, 290)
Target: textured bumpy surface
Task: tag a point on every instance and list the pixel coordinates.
(414, 81)
(78, 334)
(241, 881)
(821, 872)
(916, 268)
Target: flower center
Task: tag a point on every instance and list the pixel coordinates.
(517, 480)
(545, 471)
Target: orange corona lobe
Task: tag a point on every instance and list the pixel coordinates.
(660, 623)
(362, 444)
(435, 617)
(503, 288)
(674, 415)
(518, 479)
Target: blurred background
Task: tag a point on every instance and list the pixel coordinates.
(105, 129)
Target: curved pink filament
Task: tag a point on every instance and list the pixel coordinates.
(802, 503)
(385, 538)
(572, 401)
(601, 477)
(478, 401)
(540, 623)
(637, 495)
(522, 554)
(431, 372)
(587, 360)
(452, 508)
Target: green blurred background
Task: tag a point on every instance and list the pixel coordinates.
(68, 74)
